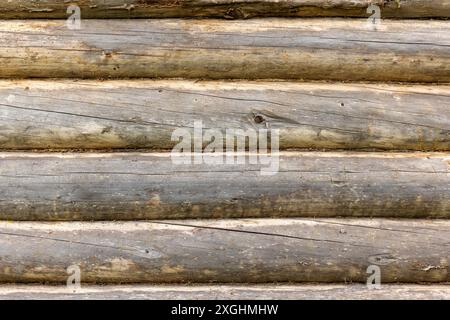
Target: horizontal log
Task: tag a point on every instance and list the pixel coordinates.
(130, 186)
(309, 49)
(144, 114)
(229, 9)
(239, 251)
(227, 292)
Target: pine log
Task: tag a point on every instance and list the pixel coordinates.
(227, 292)
(309, 49)
(224, 251)
(228, 9)
(131, 186)
(145, 114)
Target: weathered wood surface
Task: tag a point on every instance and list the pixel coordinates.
(229, 9)
(227, 292)
(144, 114)
(239, 251)
(314, 49)
(128, 186)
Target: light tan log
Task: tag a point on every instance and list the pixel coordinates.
(223, 8)
(314, 49)
(144, 114)
(130, 186)
(227, 292)
(239, 251)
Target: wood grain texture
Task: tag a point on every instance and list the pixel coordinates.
(229, 9)
(227, 292)
(129, 186)
(309, 49)
(239, 251)
(144, 114)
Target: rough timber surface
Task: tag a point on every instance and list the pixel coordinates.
(228, 9)
(238, 251)
(130, 186)
(227, 292)
(141, 114)
(307, 49)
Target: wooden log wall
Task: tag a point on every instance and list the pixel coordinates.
(87, 118)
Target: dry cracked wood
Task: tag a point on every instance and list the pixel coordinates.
(314, 49)
(230, 9)
(227, 292)
(239, 251)
(144, 114)
(129, 186)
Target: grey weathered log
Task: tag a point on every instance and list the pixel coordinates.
(144, 114)
(238, 251)
(314, 49)
(129, 186)
(227, 292)
(228, 9)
